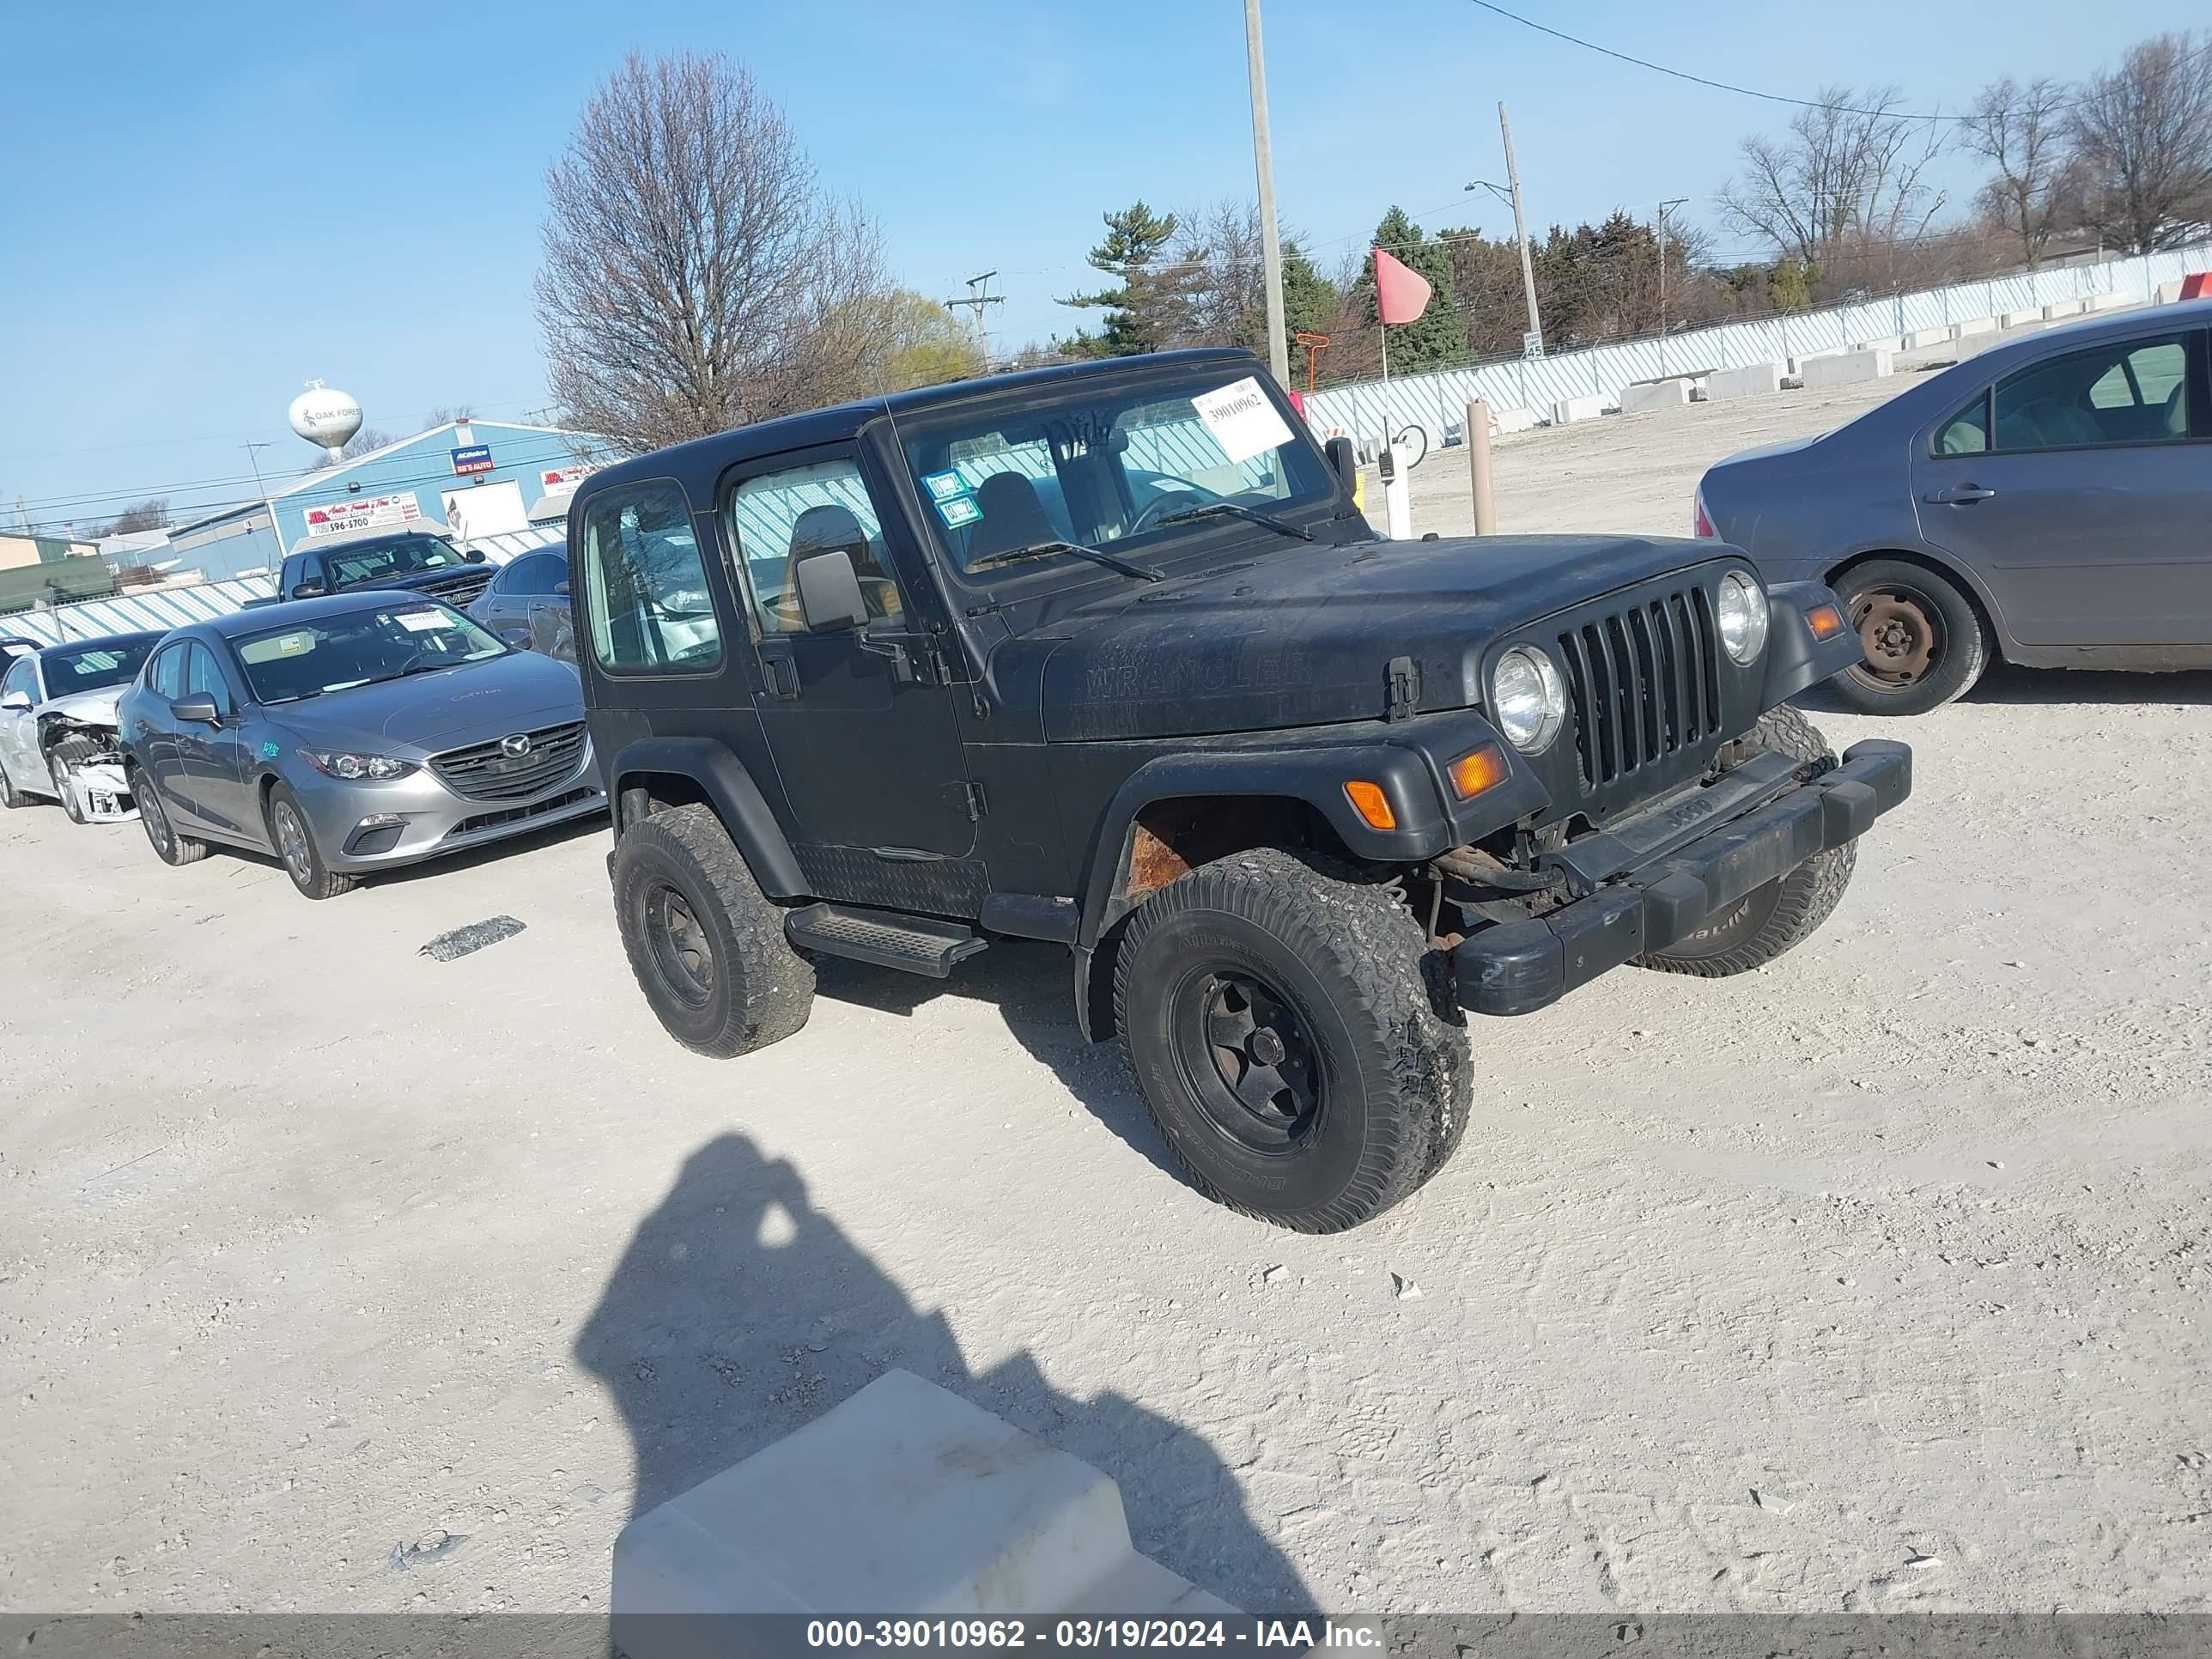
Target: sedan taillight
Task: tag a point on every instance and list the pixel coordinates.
(1703, 525)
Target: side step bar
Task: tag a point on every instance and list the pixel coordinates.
(886, 937)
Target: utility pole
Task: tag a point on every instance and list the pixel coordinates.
(1263, 161)
(979, 295)
(1534, 346)
(253, 460)
(1665, 208)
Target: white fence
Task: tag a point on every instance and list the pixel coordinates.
(146, 608)
(1439, 399)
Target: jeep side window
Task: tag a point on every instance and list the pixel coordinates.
(645, 584)
(781, 518)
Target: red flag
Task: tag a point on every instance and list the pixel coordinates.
(1401, 294)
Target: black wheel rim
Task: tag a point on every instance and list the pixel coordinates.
(1249, 1059)
(681, 954)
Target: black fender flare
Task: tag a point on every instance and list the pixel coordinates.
(737, 800)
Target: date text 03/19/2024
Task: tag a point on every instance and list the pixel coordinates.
(1007, 1635)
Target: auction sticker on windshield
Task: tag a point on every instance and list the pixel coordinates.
(1242, 419)
(419, 622)
(960, 509)
(944, 486)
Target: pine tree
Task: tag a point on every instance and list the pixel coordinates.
(1146, 309)
(1435, 339)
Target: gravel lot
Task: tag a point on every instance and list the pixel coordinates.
(332, 1277)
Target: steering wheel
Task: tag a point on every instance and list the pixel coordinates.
(1156, 509)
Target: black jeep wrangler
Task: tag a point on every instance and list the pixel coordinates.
(1106, 655)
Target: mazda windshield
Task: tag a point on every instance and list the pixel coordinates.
(359, 647)
(1086, 470)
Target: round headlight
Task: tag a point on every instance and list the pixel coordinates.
(1527, 699)
(1742, 616)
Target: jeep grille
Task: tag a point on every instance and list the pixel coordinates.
(1642, 683)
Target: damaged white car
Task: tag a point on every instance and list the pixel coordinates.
(57, 726)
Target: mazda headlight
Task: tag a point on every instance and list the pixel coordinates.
(1527, 699)
(1742, 616)
(343, 764)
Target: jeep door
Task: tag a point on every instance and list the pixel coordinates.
(859, 720)
(2080, 486)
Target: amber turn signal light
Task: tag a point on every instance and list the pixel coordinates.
(1372, 803)
(1473, 773)
(1826, 622)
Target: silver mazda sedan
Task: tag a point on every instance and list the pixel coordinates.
(350, 734)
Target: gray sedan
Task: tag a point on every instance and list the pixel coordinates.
(2048, 502)
(351, 734)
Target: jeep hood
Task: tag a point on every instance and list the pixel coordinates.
(87, 708)
(1304, 636)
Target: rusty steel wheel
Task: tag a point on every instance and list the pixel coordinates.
(1921, 637)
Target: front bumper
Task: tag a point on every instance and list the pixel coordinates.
(361, 826)
(1518, 967)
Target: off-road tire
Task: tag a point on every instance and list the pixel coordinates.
(314, 878)
(168, 846)
(56, 769)
(756, 988)
(1769, 920)
(1349, 966)
(1962, 648)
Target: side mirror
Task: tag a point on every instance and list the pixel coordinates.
(198, 708)
(829, 593)
(1344, 461)
(312, 588)
(561, 589)
(16, 702)
(473, 554)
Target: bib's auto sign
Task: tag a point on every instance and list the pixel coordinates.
(363, 515)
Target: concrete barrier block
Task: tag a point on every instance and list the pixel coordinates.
(2113, 301)
(1515, 420)
(2058, 308)
(1921, 338)
(1973, 326)
(2021, 319)
(904, 1500)
(1653, 395)
(1849, 367)
(1888, 342)
(1754, 380)
(1797, 363)
(1577, 409)
(2168, 292)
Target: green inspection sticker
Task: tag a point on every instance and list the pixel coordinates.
(960, 510)
(944, 486)
(270, 751)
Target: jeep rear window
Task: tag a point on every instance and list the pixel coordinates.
(1103, 464)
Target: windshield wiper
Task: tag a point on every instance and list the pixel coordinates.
(1235, 510)
(1039, 550)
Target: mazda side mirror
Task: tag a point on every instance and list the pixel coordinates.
(829, 593)
(198, 709)
(1344, 461)
(560, 590)
(312, 588)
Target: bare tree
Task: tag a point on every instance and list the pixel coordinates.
(2142, 142)
(2020, 132)
(1222, 247)
(369, 438)
(1853, 170)
(695, 275)
(445, 413)
(152, 513)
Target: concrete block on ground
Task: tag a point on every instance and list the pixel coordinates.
(1653, 395)
(2167, 293)
(1973, 326)
(1577, 409)
(2021, 319)
(1797, 363)
(904, 1500)
(2114, 301)
(1849, 367)
(1889, 343)
(1921, 338)
(2058, 308)
(1754, 380)
(1515, 420)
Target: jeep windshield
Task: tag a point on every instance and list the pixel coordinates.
(1128, 470)
(381, 561)
(359, 647)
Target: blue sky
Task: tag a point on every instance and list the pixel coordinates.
(204, 205)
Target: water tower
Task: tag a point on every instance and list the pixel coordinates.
(326, 418)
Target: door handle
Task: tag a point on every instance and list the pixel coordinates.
(1962, 495)
(782, 677)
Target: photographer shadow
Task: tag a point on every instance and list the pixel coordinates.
(738, 1313)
